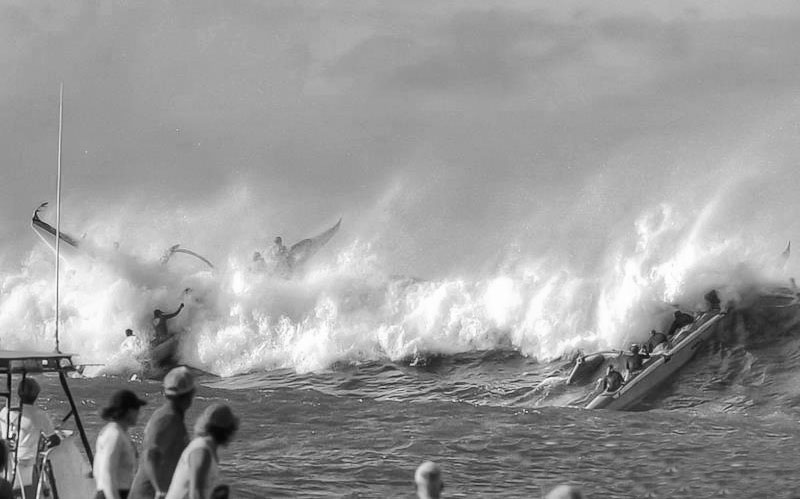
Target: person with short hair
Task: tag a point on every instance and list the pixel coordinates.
(612, 381)
(681, 319)
(165, 437)
(34, 422)
(160, 319)
(115, 455)
(565, 492)
(197, 473)
(656, 338)
(635, 361)
(428, 479)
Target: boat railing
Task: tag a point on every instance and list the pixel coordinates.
(24, 363)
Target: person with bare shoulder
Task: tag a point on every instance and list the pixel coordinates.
(197, 473)
(165, 437)
(160, 319)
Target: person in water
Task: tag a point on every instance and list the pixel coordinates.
(132, 345)
(681, 320)
(160, 324)
(612, 381)
(165, 437)
(428, 479)
(34, 422)
(635, 361)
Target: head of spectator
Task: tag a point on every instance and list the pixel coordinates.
(179, 388)
(218, 422)
(123, 408)
(565, 492)
(428, 478)
(28, 391)
(128, 332)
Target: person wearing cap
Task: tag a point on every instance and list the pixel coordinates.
(165, 437)
(34, 422)
(428, 479)
(197, 474)
(115, 455)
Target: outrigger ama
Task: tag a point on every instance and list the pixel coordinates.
(60, 472)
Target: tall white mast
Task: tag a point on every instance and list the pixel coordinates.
(58, 204)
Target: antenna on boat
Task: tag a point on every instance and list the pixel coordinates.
(58, 203)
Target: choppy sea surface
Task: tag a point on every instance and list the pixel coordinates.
(346, 376)
(500, 424)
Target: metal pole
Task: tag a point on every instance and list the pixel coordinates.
(86, 446)
(58, 203)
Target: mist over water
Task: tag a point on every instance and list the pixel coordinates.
(352, 306)
(541, 179)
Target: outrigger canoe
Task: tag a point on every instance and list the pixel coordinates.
(62, 472)
(659, 367)
(586, 366)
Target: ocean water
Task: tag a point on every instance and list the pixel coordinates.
(725, 426)
(348, 376)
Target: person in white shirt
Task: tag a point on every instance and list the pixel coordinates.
(197, 473)
(428, 479)
(34, 422)
(115, 456)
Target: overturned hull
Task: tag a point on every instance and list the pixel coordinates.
(660, 367)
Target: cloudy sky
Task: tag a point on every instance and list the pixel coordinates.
(447, 134)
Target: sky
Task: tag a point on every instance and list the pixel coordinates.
(450, 136)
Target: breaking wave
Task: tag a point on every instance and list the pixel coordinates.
(349, 308)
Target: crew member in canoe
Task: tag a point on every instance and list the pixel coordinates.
(681, 319)
(713, 301)
(656, 338)
(160, 324)
(612, 381)
(635, 361)
(279, 256)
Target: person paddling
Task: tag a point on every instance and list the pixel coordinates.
(681, 319)
(612, 381)
(635, 361)
(160, 324)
